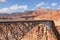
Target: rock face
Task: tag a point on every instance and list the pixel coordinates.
(58, 28)
(48, 14)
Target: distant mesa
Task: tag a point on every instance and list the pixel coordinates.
(38, 13)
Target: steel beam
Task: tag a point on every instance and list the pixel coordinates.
(22, 27)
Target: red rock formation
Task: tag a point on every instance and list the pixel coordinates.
(48, 14)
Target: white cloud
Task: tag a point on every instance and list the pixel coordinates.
(58, 7)
(40, 4)
(53, 4)
(33, 9)
(47, 7)
(3, 10)
(13, 8)
(3, 0)
(24, 7)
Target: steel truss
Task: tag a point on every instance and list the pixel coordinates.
(16, 30)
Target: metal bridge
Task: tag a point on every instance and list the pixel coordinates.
(17, 29)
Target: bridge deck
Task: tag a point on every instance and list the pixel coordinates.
(22, 27)
(8, 21)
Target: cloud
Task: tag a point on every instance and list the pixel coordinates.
(13, 8)
(40, 4)
(3, 10)
(53, 4)
(47, 7)
(3, 0)
(33, 9)
(24, 7)
(58, 7)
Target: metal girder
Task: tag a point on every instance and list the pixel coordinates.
(17, 29)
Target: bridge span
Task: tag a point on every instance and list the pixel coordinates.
(17, 29)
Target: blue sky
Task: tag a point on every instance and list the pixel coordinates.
(24, 5)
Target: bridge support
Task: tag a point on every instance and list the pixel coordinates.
(16, 30)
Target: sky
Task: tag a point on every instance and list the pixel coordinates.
(8, 6)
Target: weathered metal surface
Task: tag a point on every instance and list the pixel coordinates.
(17, 29)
